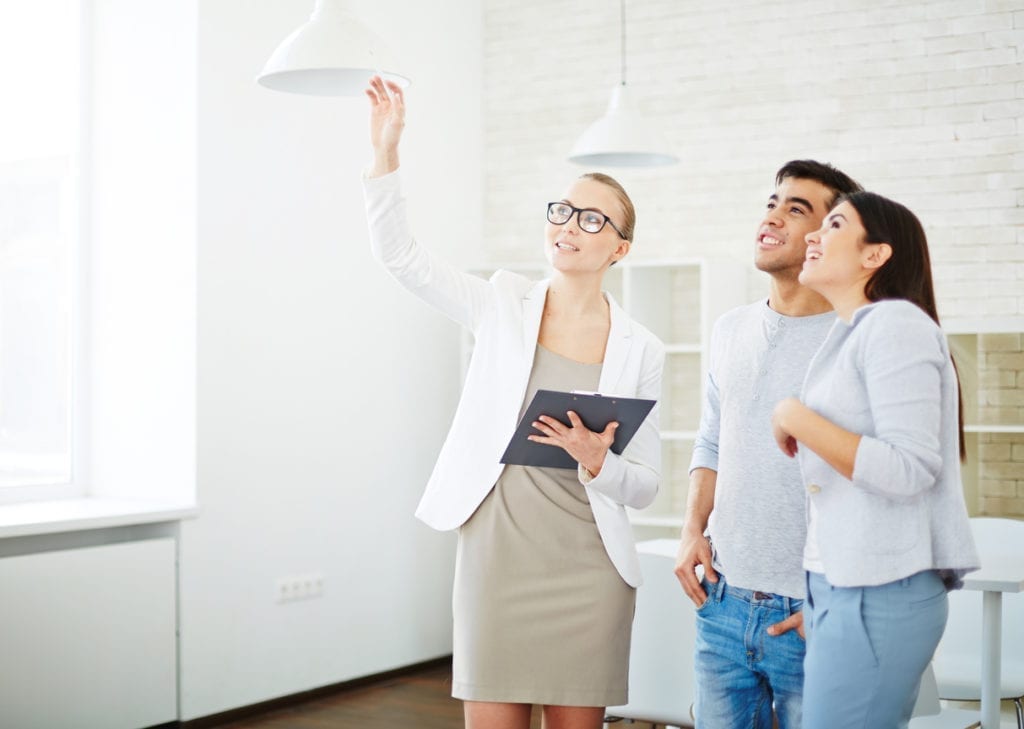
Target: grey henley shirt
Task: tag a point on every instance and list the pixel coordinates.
(758, 523)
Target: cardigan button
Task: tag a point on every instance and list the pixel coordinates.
(813, 488)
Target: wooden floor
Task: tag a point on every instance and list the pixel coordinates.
(418, 700)
(421, 700)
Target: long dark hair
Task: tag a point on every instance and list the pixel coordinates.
(908, 272)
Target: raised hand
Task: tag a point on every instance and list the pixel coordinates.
(387, 120)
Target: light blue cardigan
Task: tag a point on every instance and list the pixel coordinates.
(888, 376)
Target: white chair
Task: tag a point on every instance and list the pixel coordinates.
(958, 658)
(929, 714)
(661, 682)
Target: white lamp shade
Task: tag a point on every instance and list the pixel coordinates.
(622, 138)
(332, 54)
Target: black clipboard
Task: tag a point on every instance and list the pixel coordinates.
(595, 410)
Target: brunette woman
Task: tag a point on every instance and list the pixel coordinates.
(879, 439)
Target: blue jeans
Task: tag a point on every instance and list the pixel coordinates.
(867, 648)
(741, 670)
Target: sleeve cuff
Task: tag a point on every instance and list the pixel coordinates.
(390, 180)
(587, 478)
(703, 458)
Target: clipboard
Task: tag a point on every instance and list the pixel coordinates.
(594, 409)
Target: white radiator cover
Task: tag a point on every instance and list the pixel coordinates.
(87, 637)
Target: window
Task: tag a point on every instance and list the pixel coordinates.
(98, 191)
(40, 129)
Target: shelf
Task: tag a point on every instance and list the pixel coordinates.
(683, 349)
(993, 428)
(989, 325)
(636, 263)
(679, 435)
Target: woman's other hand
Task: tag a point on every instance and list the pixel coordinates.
(387, 120)
(785, 441)
(793, 421)
(584, 445)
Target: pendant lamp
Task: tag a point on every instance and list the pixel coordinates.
(622, 137)
(331, 54)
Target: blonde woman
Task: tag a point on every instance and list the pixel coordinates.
(546, 568)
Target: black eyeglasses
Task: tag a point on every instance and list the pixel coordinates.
(591, 221)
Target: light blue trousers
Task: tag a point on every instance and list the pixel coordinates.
(867, 648)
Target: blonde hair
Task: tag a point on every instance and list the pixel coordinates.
(629, 222)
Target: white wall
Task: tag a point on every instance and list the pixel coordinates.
(324, 390)
(922, 101)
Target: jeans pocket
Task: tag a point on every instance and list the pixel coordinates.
(708, 588)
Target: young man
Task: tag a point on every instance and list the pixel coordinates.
(744, 521)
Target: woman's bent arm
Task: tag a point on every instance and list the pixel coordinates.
(631, 479)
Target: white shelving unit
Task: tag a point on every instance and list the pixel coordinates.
(989, 354)
(679, 300)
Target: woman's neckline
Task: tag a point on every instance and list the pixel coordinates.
(569, 359)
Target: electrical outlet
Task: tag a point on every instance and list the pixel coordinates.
(299, 587)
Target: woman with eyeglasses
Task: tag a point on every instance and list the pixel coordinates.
(546, 567)
(879, 438)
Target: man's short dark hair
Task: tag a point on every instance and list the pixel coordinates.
(837, 181)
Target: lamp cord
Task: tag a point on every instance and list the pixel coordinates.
(622, 6)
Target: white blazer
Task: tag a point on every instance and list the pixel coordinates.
(504, 316)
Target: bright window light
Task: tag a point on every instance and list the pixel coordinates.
(40, 129)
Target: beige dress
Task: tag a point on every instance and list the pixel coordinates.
(541, 614)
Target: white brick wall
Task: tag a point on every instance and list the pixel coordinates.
(921, 101)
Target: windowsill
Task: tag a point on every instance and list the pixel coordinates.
(70, 515)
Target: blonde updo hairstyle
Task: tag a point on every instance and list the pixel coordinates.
(629, 221)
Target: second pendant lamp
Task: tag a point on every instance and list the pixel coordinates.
(622, 137)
